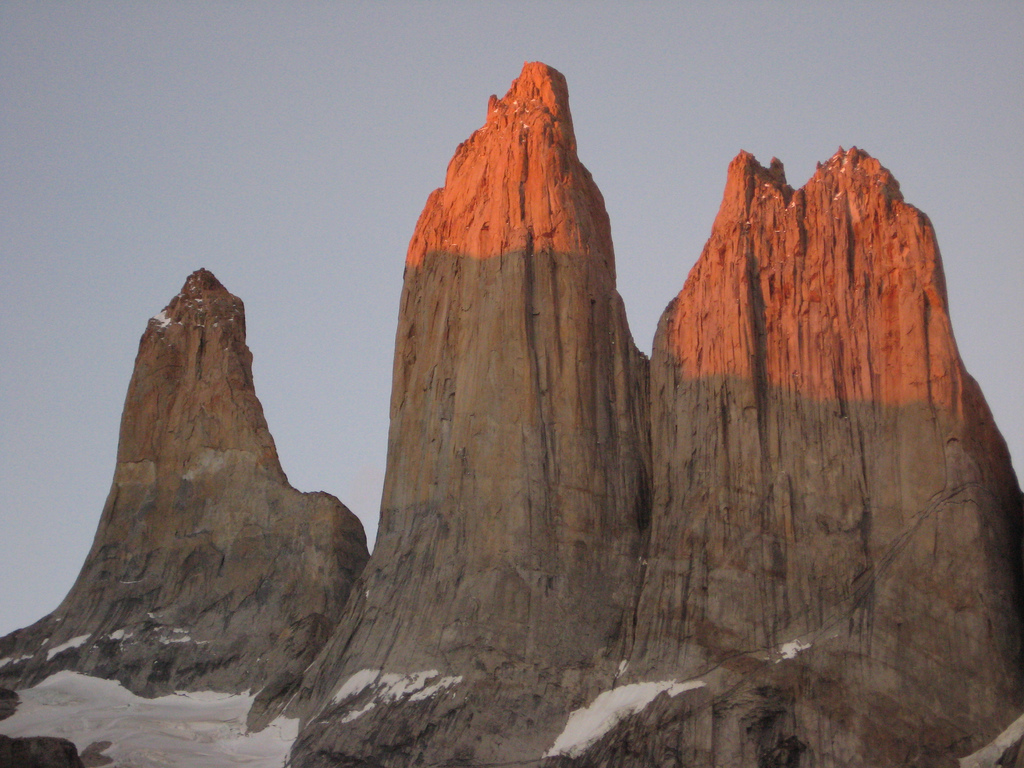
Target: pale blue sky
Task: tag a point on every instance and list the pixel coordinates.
(290, 147)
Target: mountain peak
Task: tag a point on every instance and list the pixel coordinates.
(818, 443)
(518, 473)
(517, 184)
(855, 169)
(202, 299)
(202, 280)
(539, 90)
(830, 257)
(205, 557)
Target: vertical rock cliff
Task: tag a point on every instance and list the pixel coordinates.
(517, 484)
(792, 540)
(834, 555)
(208, 570)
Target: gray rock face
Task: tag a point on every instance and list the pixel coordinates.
(38, 752)
(206, 561)
(517, 480)
(825, 568)
(8, 703)
(792, 541)
(835, 537)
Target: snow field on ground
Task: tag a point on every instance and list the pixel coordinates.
(183, 730)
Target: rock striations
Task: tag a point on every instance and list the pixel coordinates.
(517, 483)
(208, 570)
(809, 556)
(792, 540)
(835, 536)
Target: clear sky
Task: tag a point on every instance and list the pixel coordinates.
(290, 147)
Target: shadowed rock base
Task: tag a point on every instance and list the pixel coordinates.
(513, 507)
(38, 752)
(831, 627)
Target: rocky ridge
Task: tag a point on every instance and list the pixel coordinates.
(208, 570)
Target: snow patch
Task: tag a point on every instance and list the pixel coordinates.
(177, 731)
(587, 725)
(356, 684)
(14, 659)
(118, 634)
(391, 686)
(161, 319)
(176, 639)
(986, 756)
(791, 649)
(74, 642)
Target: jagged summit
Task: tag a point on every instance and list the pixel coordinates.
(836, 524)
(843, 260)
(845, 170)
(517, 184)
(190, 304)
(539, 95)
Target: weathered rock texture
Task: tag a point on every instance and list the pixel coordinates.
(206, 562)
(8, 703)
(517, 482)
(796, 545)
(38, 752)
(835, 536)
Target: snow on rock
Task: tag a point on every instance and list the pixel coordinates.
(74, 642)
(356, 684)
(176, 639)
(161, 319)
(987, 756)
(791, 649)
(177, 636)
(391, 686)
(183, 730)
(585, 726)
(14, 659)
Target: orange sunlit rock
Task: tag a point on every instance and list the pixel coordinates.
(517, 183)
(832, 291)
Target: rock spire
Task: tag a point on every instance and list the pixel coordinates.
(517, 184)
(208, 570)
(835, 536)
(517, 481)
(791, 540)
